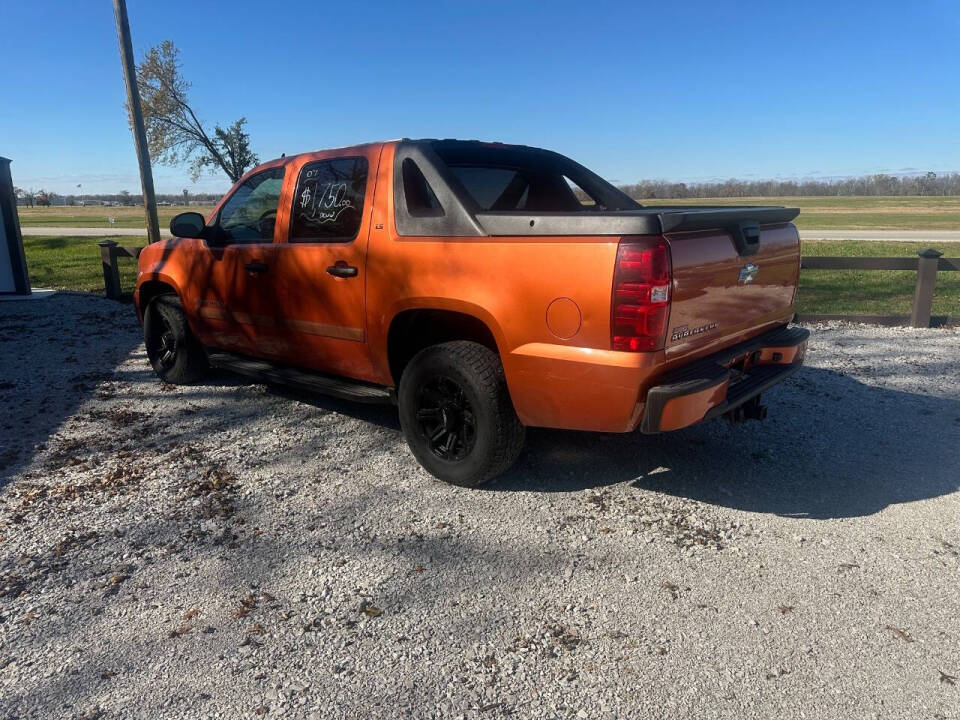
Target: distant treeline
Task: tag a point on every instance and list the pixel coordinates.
(927, 184)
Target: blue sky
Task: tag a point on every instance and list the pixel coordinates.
(681, 91)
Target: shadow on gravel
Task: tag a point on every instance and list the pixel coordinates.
(53, 355)
(831, 447)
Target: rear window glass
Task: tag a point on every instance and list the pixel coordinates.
(505, 189)
(486, 184)
(328, 201)
(514, 178)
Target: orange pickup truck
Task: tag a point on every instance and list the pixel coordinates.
(482, 288)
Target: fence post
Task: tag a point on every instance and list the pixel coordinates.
(111, 274)
(926, 282)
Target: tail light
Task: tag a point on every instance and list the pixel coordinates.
(641, 295)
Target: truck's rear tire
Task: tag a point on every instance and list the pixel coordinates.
(174, 352)
(456, 413)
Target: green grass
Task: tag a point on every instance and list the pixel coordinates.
(852, 212)
(92, 216)
(872, 292)
(73, 263)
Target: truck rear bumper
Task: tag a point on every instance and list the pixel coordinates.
(574, 388)
(722, 382)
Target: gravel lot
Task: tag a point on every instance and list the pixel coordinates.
(229, 550)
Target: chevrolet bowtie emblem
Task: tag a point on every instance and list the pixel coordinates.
(747, 274)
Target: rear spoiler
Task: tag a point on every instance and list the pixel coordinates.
(743, 223)
(682, 219)
(650, 220)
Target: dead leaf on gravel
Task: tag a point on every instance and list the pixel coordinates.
(784, 609)
(903, 635)
(191, 614)
(948, 679)
(671, 588)
(241, 612)
(370, 610)
(117, 579)
(179, 632)
(213, 479)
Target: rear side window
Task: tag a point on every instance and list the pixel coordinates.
(328, 201)
(421, 200)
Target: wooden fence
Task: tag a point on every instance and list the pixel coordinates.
(110, 252)
(926, 265)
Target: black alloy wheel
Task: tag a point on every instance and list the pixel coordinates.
(446, 419)
(456, 413)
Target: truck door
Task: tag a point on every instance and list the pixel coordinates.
(237, 300)
(322, 264)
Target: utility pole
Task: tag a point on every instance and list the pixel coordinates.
(136, 116)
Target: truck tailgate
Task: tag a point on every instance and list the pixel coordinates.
(720, 296)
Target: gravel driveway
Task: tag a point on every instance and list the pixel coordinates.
(229, 550)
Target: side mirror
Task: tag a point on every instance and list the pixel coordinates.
(188, 225)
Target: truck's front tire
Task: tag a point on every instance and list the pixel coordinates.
(456, 413)
(174, 352)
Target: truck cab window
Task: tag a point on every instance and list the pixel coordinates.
(250, 214)
(328, 201)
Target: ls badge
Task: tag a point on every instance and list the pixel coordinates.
(747, 274)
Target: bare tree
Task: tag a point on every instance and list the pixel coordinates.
(174, 132)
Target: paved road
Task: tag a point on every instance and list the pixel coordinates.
(919, 236)
(87, 231)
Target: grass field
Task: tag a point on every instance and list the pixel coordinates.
(125, 217)
(853, 213)
(817, 213)
(73, 263)
(872, 292)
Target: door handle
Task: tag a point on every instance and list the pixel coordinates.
(256, 267)
(342, 270)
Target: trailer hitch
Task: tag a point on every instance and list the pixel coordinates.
(750, 410)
